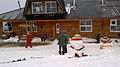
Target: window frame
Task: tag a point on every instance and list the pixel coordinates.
(57, 28)
(114, 25)
(85, 25)
(33, 26)
(50, 6)
(41, 8)
(7, 27)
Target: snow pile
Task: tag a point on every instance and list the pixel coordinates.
(85, 39)
(68, 8)
(36, 39)
(12, 39)
(15, 39)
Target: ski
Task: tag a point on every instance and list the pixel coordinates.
(18, 60)
(80, 56)
(36, 57)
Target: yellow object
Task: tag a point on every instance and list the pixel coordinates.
(101, 46)
(105, 37)
(77, 37)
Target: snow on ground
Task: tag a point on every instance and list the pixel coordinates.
(15, 39)
(107, 57)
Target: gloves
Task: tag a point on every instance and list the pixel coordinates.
(78, 49)
(83, 46)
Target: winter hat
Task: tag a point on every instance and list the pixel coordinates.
(105, 39)
(63, 32)
(77, 37)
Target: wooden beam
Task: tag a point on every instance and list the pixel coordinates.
(61, 5)
(56, 20)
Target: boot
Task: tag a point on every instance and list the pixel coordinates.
(76, 55)
(84, 54)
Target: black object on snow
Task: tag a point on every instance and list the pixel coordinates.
(18, 60)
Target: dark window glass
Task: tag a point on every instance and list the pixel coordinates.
(113, 28)
(51, 7)
(118, 22)
(113, 22)
(7, 26)
(82, 28)
(118, 28)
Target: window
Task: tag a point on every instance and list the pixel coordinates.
(51, 7)
(34, 26)
(85, 26)
(57, 28)
(37, 7)
(7, 26)
(115, 25)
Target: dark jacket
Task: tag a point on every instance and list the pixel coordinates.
(63, 40)
(43, 35)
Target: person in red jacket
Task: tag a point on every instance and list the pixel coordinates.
(28, 40)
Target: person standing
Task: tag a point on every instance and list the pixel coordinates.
(28, 40)
(43, 36)
(63, 40)
(98, 38)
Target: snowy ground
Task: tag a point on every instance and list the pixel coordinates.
(107, 57)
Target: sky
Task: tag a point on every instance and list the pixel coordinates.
(9, 5)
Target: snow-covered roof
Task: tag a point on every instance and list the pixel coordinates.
(93, 9)
(84, 9)
(13, 15)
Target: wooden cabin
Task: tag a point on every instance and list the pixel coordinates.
(86, 17)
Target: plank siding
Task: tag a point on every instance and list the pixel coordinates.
(99, 26)
(1, 28)
(28, 10)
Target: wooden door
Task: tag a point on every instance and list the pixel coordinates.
(22, 31)
(49, 29)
